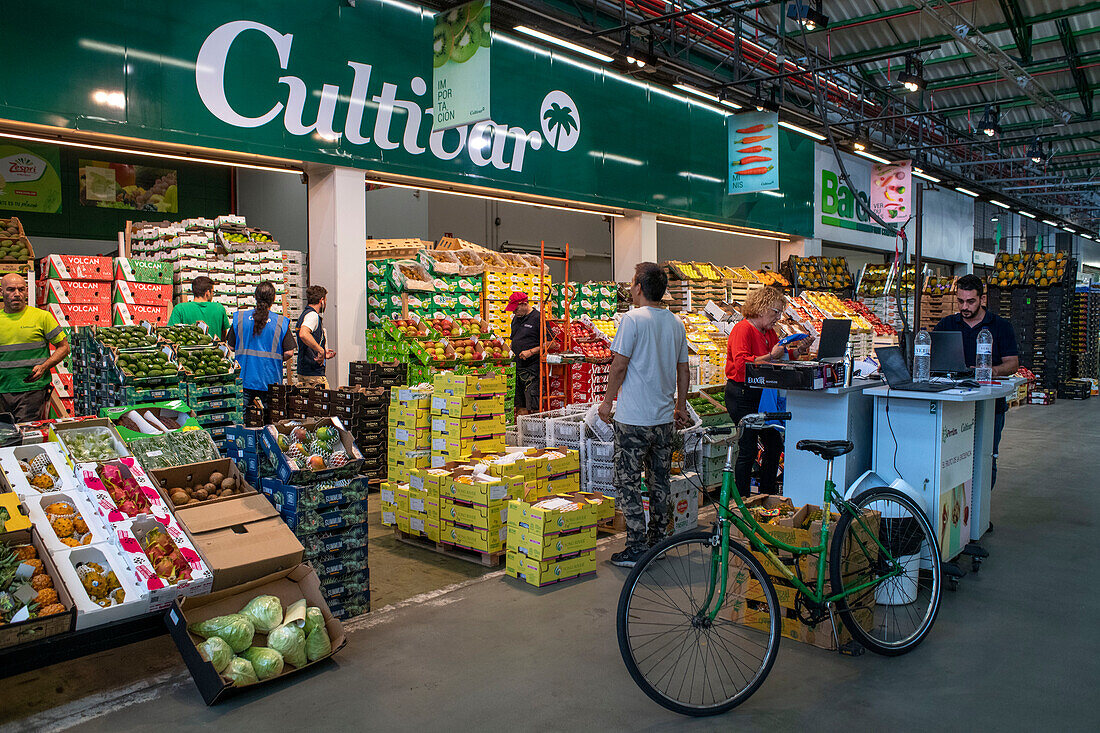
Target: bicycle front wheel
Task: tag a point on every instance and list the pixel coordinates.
(680, 657)
(896, 611)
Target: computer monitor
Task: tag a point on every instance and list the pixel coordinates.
(834, 339)
(947, 352)
(892, 365)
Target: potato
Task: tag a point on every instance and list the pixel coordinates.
(196, 489)
(201, 495)
(229, 483)
(179, 498)
(225, 492)
(210, 488)
(216, 478)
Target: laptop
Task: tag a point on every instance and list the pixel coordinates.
(834, 339)
(892, 365)
(947, 354)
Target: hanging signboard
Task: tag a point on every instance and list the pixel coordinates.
(892, 191)
(30, 178)
(753, 152)
(460, 57)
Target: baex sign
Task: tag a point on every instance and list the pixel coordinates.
(837, 215)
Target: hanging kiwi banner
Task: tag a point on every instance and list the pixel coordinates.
(753, 152)
(30, 178)
(460, 56)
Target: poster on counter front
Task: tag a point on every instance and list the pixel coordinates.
(460, 59)
(892, 191)
(753, 152)
(30, 178)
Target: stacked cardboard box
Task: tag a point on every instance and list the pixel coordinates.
(99, 381)
(408, 436)
(550, 540)
(326, 509)
(467, 415)
(142, 292)
(77, 289)
(243, 446)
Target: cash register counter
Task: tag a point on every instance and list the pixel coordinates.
(940, 443)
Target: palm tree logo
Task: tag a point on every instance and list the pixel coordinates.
(561, 121)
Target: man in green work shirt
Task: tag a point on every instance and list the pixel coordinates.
(25, 359)
(202, 308)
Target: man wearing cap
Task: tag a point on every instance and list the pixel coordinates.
(526, 345)
(25, 359)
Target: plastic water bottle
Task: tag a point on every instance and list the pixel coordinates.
(983, 369)
(922, 358)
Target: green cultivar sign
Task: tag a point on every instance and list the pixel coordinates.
(460, 57)
(352, 86)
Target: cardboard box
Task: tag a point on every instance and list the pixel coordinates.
(475, 516)
(552, 516)
(140, 293)
(242, 538)
(464, 428)
(58, 431)
(133, 269)
(482, 383)
(196, 474)
(88, 612)
(74, 291)
(295, 472)
(130, 538)
(467, 406)
(554, 461)
(124, 314)
(540, 574)
(289, 586)
(76, 267)
(481, 489)
(172, 412)
(73, 315)
(550, 546)
(35, 629)
(36, 508)
(471, 539)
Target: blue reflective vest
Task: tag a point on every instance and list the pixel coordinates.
(260, 357)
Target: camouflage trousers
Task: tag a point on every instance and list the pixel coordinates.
(647, 448)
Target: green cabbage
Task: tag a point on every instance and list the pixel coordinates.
(317, 644)
(235, 630)
(267, 662)
(289, 641)
(240, 672)
(217, 652)
(266, 613)
(314, 619)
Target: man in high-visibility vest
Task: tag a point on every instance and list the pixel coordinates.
(25, 359)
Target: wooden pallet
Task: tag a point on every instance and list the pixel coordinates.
(488, 559)
(615, 525)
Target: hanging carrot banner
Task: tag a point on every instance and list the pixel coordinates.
(753, 152)
(892, 191)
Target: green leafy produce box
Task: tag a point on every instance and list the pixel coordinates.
(130, 420)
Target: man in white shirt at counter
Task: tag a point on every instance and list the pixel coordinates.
(649, 374)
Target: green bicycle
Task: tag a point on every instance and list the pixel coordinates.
(699, 619)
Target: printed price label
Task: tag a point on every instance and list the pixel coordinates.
(924, 350)
(985, 348)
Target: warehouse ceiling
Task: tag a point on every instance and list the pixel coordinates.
(1026, 69)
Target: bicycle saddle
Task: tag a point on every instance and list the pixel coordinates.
(826, 448)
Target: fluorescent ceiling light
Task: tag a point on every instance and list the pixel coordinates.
(1067, 229)
(1051, 223)
(872, 156)
(411, 187)
(1087, 236)
(967, 191)
(721, 230)
(697, 92)
(616, 158)
(921, 174)
(167, 156)
(1028, 214)
(859, 146)
(699, 177)
(777, 194)
(801, 131)
(995, 202)
(563, 43)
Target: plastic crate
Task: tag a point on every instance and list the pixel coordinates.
(599, 473)
(533, 428)
(511, 436)
(565, 431)
(605, 489)
(598, 450)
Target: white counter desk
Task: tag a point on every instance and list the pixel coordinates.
(941, 444)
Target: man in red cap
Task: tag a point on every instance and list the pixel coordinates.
(526, 346)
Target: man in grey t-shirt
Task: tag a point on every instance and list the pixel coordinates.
(649, 374)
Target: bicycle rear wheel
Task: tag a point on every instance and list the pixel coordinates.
(896, 613)
(680, 658)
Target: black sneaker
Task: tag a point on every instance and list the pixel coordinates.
(628, 557)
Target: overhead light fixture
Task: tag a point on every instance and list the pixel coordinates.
(990, 124)
(1067, 229)
(1028, 214)
(1051, 223)
(525, 30)
(993, 218)
(872, 156)
(919, 173)
(967, 191)
(489, 197)
(724, 99)
(776, 194)
(632, 57)
(706, 226)
(858, 146)
(912, 78)
(1035, 151)
(167, 156)
(802, 131)
(696, 91)
(808, 17)
(995, 202)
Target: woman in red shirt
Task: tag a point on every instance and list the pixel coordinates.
(753, 340)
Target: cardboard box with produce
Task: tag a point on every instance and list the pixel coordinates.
(156, 418)
(313, 451)
(37, 604)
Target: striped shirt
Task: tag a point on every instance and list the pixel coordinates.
(24, 344)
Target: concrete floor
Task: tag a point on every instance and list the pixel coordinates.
(1016, 647)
